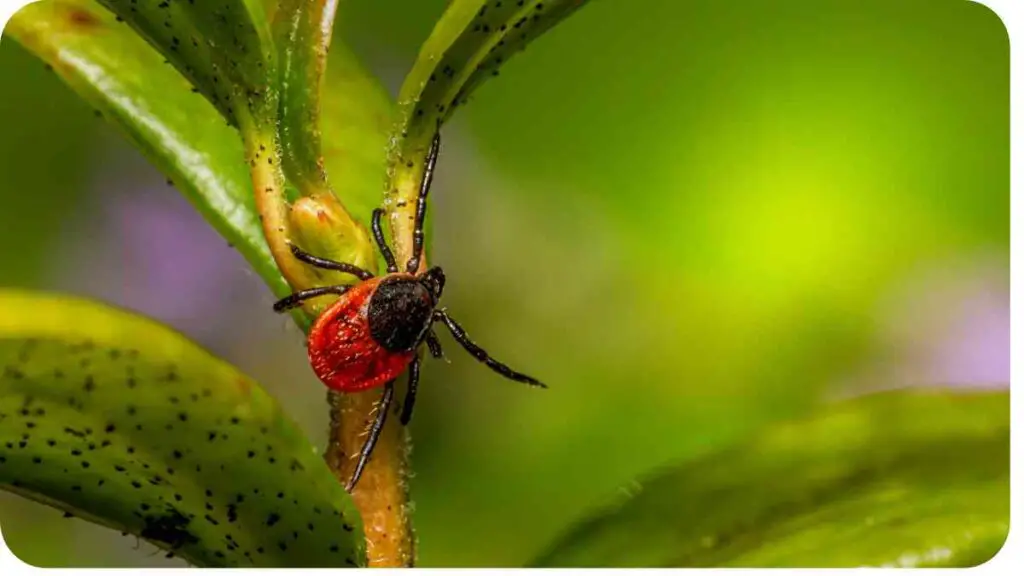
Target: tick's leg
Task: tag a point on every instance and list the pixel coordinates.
(378, 235)
(329, 264)
(421, 206)
(378, 424)
(460, 336)
(434, 345)
(289, 302)
(410, 396)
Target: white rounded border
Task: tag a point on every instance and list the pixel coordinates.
(1012, 14)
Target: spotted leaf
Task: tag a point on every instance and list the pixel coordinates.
(223, 47)
(127, 81)
(179, 131)
(893, 479)
(124, 422)
(468, 45)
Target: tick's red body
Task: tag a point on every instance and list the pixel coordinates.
(342, 350)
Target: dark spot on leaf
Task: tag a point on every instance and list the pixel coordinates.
(13, 373)
(272, 519)
(170, 528)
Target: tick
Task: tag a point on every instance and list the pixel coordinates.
(375, 329)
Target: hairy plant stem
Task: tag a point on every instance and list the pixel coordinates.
(382, 494)
(264, 157)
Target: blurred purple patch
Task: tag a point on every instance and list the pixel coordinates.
(141, 245)
(948, 325)
(975, 350)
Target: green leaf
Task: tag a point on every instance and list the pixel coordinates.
(320, 223)
(179, 131)
(469, 44)
(356, 115)
(893, 479)
(473, 39)
(126, 79)
(222, 46)
(302, 33)
(124, 422)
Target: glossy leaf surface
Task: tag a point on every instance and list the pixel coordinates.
(119, 420)
(127, 80)
(222, 46)
(893, 479)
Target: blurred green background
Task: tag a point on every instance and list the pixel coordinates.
(690, 217)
